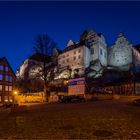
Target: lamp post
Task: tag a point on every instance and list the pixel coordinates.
(14, 94)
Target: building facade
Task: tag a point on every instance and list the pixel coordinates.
(72, 59)
(7, 79)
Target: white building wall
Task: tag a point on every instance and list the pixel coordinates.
(73, 59)
(98, 47)
(94, 56)
(86, 57)
(103, 55)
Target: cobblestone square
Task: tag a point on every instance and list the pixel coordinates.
(89, 120)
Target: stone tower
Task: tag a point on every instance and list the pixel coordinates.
(98, 47)
(120, 54)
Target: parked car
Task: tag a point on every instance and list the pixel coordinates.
(72, 99)
(9, 104)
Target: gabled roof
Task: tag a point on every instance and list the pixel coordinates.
(39, 57)
(5, 59)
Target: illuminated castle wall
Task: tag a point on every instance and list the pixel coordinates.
(98, 47)
(90, 57)
(120, 54)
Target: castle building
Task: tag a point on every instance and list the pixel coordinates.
(90, 58)
(98, 47)
(123, 56)
(79, 56)
(74, 57)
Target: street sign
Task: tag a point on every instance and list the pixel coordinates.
(76, 86)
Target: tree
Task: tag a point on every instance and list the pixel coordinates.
(44, 46)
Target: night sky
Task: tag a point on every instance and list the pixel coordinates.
(20, 22)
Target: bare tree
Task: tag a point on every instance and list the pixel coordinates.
(44, 46)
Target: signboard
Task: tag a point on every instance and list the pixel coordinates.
(76, 86)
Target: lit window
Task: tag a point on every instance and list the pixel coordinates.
(6, 68)
(6, 98)
(1, 77)
(10, 88)
(6, 88)
(1, 67)
(0, 87)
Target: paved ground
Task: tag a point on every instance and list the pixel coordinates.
(90, 120)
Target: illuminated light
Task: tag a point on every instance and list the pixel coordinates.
(15, 92)
(66, 82)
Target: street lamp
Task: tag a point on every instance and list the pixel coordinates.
(14, 93)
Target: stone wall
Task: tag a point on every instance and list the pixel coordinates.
(120, 55)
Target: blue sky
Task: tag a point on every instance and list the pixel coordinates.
(20, 22)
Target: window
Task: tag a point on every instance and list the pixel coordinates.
(92, 51)
(10, 79)
(1, 77)
(1, 67)
(0, 87)
(79, 56)
(101, 52)
(6, 88)
(74, 52)
(105, 54)
(67, 60)
(6, 77)
(79, 50)
(63, 61)
(74, 58)
(10, 88)
(6, 98)
(6, 68)
(67, 55)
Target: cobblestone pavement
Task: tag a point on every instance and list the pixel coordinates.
(90, 120)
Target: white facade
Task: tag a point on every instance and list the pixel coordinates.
(72, 59)
(29, 69)
(98, 47)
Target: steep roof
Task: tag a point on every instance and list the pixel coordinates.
(40, 57)
(5, 59)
